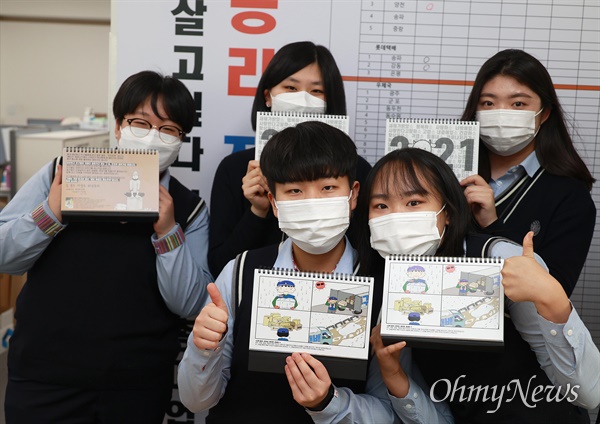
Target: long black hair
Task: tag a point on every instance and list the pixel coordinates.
(554, 149)
(419, 171)
(290, 59)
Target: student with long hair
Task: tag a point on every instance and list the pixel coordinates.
(530, 174)
(412, 204)
(301, 77)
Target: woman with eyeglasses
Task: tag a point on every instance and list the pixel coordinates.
(98, 320)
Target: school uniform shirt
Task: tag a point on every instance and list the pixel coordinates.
(182, 271)
(204, 374)
(566, 353)
(560, 210)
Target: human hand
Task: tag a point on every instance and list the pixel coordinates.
(525, 280)
(55, 194)
(255, 188)
(210, 325)
(480, 197)
(308, 379)
(166, 213)
(388, 357)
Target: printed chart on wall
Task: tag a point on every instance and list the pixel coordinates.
(399, 59)
(418, 59)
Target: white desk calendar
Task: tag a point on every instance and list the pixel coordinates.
(434, 301)
(326, 315)
(454, 141)
(270, 123)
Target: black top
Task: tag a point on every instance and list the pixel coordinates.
(266, 397)
(91, 314)
(561, 212)
(233, 227)
(496, 387)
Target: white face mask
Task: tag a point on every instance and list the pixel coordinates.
(506, 132)
(315, 225)
(406, 233)
(167, 153)
(299, 101)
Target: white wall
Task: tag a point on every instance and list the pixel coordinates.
(53, 70)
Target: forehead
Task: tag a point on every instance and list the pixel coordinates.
(310, 73)
(506, 86)
(394, 180)
(144, 109)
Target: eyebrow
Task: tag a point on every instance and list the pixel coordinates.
(294, 80)
(512, 96)
(140, 112)
(403, 195)
(379, 196)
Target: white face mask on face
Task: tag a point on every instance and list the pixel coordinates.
(406, 233)
(315, 225)
(299, 101)
(506, 132)
(167, 153)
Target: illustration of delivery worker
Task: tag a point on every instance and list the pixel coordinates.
(331, 304)
(462, 286)
(416, 283)
(285, 299)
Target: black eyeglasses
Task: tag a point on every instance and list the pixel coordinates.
(168, 134)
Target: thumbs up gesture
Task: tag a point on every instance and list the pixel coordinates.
(525, 280)
(210, 325)
(521, 275)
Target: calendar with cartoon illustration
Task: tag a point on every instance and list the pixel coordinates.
(429, 301)
(270, 123)
(326, 315)
(456, 142)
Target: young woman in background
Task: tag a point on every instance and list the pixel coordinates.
(530, 174)
(301, 77)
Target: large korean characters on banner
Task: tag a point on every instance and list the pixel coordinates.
(219, 50)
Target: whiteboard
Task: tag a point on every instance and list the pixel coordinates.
(399, 59)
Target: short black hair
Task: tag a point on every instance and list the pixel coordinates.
(290, 59)
(176, 98)
(405, 170)
(307, 152)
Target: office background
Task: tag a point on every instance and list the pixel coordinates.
(400, 59)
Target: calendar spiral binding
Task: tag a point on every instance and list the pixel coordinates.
(110, 150)
(316, 275)
(316, 116)
(444, 259)
(447, 121)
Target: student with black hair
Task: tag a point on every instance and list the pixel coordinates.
(310, 171)
(301, 77)
(530, 174)
(412, 204)
(98, 319)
